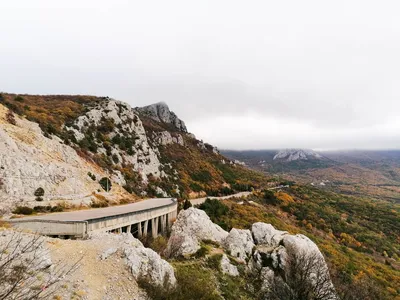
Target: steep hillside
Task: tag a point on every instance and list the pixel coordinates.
(86, 149)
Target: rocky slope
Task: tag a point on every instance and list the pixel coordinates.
(272, 255)
(64, 146)
(105, 266)
(114, 266)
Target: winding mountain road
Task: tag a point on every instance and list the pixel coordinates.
(198, 201)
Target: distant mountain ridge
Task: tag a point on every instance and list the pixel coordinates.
(296, 154)
(375, 173)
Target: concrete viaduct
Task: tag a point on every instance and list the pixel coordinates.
(142, 218)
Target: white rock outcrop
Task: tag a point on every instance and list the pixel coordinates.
(142, 262)
(127, 123)
(278, 252)
(145, 263)
(266, 234)
(160, 112)
(239, 243)
(29, 160)
(227, 267)
(267, 276)
(191, 227)
(165, 138)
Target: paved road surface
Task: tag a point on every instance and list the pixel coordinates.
(201, 200)
(97, 213)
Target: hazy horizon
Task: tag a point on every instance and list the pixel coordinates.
(257, 75)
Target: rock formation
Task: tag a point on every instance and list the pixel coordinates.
(142, 262)
(273, 255)
(191, 227)
(160, 112)
(239, 243)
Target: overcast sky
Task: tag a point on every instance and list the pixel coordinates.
(241, 74)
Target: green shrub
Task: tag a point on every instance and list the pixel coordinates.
(194, 282)
(202, 176)
(39, 192)
(39, 198)
(57, 208)
(115, 158)
(42, 209)
(214, 262)
(159, 244)
(105, 184)
(23, 210)
(187, 204)
(214, 208)
(202, 252)
(92, 176)
(195, 187)
(270, 198)
(19, 99)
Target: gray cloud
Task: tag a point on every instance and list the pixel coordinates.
(259, 74)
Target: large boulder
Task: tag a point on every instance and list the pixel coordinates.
(143, 262)
(280, 256)
(191, 227)
(239, 243)
(266, 234)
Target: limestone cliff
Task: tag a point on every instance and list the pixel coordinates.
(160, 112)
(65, 145)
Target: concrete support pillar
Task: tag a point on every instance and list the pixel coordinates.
(164, 224)
(119, 230)
(154, 227)
(129, 229)
(140, 233)
(146, 228)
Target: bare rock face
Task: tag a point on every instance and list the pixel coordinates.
(160, 112)
(142, 262)
(165, 138)
(266, 234)
(267, 276)
(227, 267)
(192, 226)
(29, 160)
(127, 123)
(239, 243)
(278, 252)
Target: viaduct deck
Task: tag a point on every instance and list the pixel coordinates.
(140, 218)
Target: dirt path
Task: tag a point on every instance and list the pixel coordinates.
(93, 279)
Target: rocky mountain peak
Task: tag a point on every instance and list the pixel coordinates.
(296, 154)
(160, 112)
